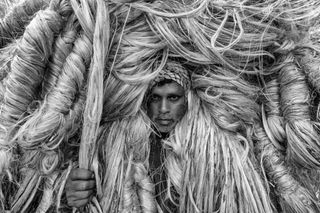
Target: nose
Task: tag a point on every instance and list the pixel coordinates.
(164, 106)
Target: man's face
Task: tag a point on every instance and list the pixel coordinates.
(166, 106)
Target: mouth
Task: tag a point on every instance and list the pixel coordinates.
(164, 122)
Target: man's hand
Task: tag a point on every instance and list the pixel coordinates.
(80, 187)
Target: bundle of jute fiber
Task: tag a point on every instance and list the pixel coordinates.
(39, 147)
(290, 127)
(63, 46)
(13, 24)
(20, 89)
(93, 85)
(53, 122)
(302, 137)
(29, 60)
(93, 108)
(308, 60)
(55, 117)
(271, 144)
(292, 196)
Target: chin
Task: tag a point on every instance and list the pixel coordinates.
(165, 130)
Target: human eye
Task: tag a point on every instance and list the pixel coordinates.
(154, 98)
(174, 97)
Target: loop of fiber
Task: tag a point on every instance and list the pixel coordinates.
(49, 162)
(12, 26)
(302, 138)
(51, 122)
(291, 195)
(28, 65)
(62, 49)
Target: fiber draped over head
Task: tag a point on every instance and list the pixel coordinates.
(74, 76)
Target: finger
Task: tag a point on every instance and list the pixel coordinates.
(78, 203)
(81, 174)
(80, 185)
(80, 195)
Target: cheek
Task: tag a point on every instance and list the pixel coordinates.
(152, 111)
(180, 111)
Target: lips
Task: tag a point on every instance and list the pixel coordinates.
(164, 122)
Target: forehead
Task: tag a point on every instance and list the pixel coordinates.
(167, 88)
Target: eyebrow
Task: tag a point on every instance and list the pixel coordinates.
(169, 94)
